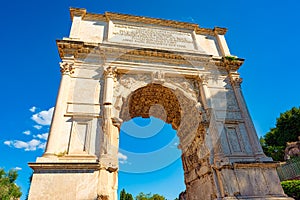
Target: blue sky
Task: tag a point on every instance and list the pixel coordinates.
(265, 33)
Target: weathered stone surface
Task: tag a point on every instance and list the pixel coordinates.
(182, 77)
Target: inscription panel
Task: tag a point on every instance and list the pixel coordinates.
(151, 36)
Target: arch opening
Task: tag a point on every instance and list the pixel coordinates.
(149, 160)
(173, 107)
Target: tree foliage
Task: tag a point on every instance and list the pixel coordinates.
(125, 196)
(287, 130)
(142, 196)
(8, 189)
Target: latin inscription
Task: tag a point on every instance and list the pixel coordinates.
(152, 37)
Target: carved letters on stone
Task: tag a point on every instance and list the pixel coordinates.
(151, 36)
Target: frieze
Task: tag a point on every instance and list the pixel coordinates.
(158, 77)
(125, 84)
(82, 50)
(188, 85)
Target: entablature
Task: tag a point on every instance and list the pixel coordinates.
(114, 53)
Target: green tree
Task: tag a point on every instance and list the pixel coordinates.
(157, 197)
(125, 196)
(287, 130)
(129, 197)
(142, 196)
(8, 189)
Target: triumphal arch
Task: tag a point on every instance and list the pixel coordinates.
(116, 67)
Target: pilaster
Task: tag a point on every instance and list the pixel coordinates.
(221, 42)
(236, 82)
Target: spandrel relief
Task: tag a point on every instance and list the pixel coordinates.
(190, 86)
(125, 84)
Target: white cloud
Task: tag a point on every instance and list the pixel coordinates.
(27, 132)
(18, 168)
(43, 136)
(122, 158)
(44, 117)
(32, 109)
(38, 127)
(42, 145)
(31, 145)
(8, 143)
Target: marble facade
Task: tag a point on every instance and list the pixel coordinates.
(116, 67)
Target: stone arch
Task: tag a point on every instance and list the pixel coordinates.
(221, 154)
(180, 110)
(153, 100)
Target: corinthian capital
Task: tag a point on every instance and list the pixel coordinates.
(203, 79)
(66, 68)
(110, 72)
(235, 80)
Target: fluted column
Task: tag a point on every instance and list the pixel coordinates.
(58, 120)
(108, 174)
(109, 76)
(109, 130)
(204, 91)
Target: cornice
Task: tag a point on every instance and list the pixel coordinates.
(230, 64)
(146, 20)
(77, 12)
(81, 50)
(64, 166)
(247, 165)
(213, 32)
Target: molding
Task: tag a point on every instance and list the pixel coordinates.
(64, 166)
(230, 65)
(266, 164)
(107, 16)
(77, 12)
(81, 50)
(247, 165)
(75, 110)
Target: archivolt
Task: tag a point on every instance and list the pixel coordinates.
(172, 106)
